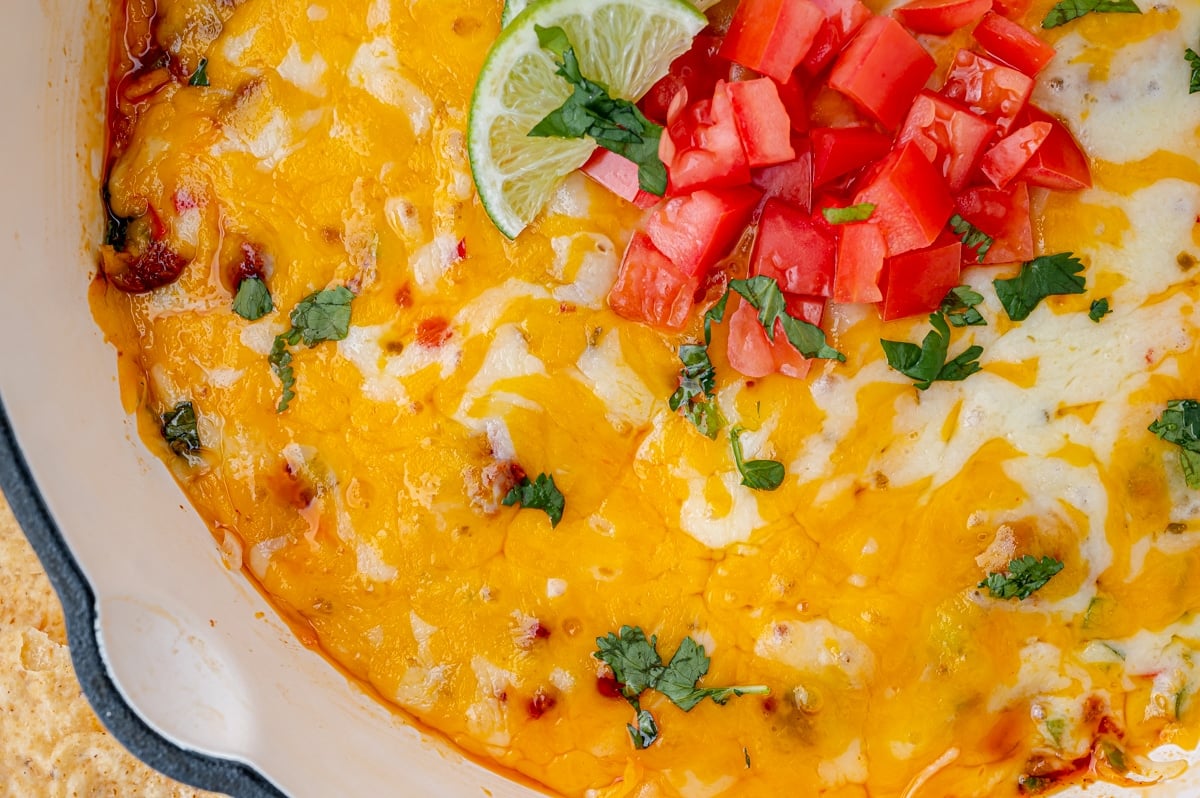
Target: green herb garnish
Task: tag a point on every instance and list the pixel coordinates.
(615, 124)
(1067, 10)
(959, 305)
(756, 474)
(927, 363)
(1193, 59)
(253, 300)
(179, 429)
(853, 213)
(540, 494)
(200, 76)
(697, 386)
(320, 316)
(1025, 575)
(1099, 310)
(1039, 278)
(1180, 424)
(972, 237)
(764, 295)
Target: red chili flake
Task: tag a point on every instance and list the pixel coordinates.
(433, 331)
(541, 703)
(404, 296)
(159, 265)
(461, 249)
(566, 307)
(503, 697)
(184, 201)
(1109, 726)
(251, 265)
(608, 686)
(769, 705)
(540, 632)
(518, 473)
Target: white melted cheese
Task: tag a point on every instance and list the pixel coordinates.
(507, 358)
(375, 68)
(816, 645)
(604, 370)
(305, 74)
(383, 374)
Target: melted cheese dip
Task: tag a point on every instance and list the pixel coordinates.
(331, 142)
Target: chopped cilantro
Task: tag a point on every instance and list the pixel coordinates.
(320, 316)
(179, 429)
(637, 667)
(756, 474)
(540, 494)
(1025, 575)
(697, 386)
(854, 213)
(746, 757)
(1055, 728)
(1067, 10)
(253, 300)
(764, 295)
(972, 237)
(1180, 424)
(200, 76)
(1033, 785)
(1099, 310)
(1193, 59)
(615, 124)
(959, 307)
(1039, 278)
(927, 363)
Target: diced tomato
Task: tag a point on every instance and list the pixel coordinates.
(988, 88)
(1013, 9)
(772, 36)
(1059, 163)
(843, 18)
(860, 257)
(762, 121)
(839, 151)
(882, 69)
(697, 230)
(755, 355)
(794, 249)
(941, 16)
(794, 96)
(619, 175)
(912, 203)
(701, 146)
(649, 288)
(951, 137)
(791, 181)
(1012, 44)
(1003, 162)
(916, 282)
(1003, 215)
(697, 71)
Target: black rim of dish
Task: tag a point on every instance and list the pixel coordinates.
(79, 608)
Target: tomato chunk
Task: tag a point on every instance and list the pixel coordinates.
(791, 181)
(697, 71)
(772, 36)
(794, 249)
(951, 137)
(882, 69)
(701, 146)
(861, 251)
(697, 230)
(794, 95)
(619, 175)
(839, 151)
(1059, 163)
(1012, 44)
(1003, 162)
(649, 288)
(755, 355)
(988, 88)
(1013, 9)
(912, 202)
(916, 282)
(1003, 215)
(843, 18)
(762, 121)
(941, 16)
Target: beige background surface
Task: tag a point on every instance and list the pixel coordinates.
(51, 743)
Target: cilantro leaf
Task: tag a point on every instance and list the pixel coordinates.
(179, 429)
(688, 666)
(1099, 310)
(1025, 575)
(1067, 10)
(323, 316)
(853, 213)
(1180, 424)
(1193, 58)
(200, 76)
(1039, 278)
(972, 237)
(715, 315)
(615, 124)
(253, 300)
(541, 494)
(697, 382)
(280, 359)
(634, 660)
(959, 307)
(646, 731)
(756, 474)
(927, 363)
(764, 295)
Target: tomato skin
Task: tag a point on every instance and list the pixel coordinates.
(794, 249)
(701, 146)
(619, 175)
(951, 137)
(753, 354)
(912, 202)
(1060, 163)
(772, 36)
(861, 251)
(1012, 44)
(792, 181)
(649, 288)
(1003, 215)
(697, 71)
(794, 96)
(762, 121)
(839, 151)
(843, 18)
(882, 69)
(1012, 9)
(696, 230)
(916, 282)
(941, 17)
(1003, 162)
(988, 88)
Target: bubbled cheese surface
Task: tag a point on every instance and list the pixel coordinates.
(332, 139)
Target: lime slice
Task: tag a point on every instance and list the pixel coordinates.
(514, 7)
(625, 44)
